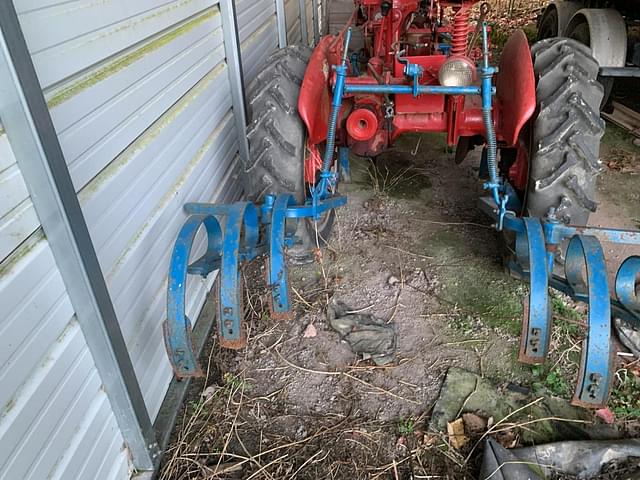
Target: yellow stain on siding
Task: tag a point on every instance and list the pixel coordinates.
(121, 63)
(149, 135)
(171, 193)
(7, 265)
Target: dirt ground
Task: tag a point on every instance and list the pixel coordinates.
(412, 249)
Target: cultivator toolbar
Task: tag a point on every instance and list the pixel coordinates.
(585, 279)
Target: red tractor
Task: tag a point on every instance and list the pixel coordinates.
(416, 73)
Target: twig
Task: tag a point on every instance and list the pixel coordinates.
(464, 404)
(300, 297)
(348, 375)
(407, 252)
(360, 309)
(493, 427)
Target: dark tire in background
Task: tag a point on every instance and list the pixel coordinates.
(277, 141)
(566, 132)
(580, 32)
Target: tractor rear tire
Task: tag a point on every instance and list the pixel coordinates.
(277, 142)
(566, 132)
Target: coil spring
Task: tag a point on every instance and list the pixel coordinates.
(460, 32)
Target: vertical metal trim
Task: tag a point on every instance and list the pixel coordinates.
(316, 22)
(26, 118)
(236, 76)
(303, 22)
(282, 23)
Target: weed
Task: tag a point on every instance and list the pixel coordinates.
(406, 426)
(396, 180)
(552, 380)
(625, 396)
(234, 382)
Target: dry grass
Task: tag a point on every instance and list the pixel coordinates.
(227, 431)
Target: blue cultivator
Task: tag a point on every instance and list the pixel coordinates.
(242, 231)
(249, 231)
(585, 279)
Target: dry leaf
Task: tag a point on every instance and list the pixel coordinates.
(209, 392)
(506, 438)
(606, 415)
(310, 331)
(457, 438)
(473, 423)
(430, 439)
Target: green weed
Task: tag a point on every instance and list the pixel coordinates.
(625, 396)
(406, 426)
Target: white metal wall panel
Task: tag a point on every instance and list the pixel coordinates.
(292, 15)
(50, 388)
(258, 32)
(145, 129)
(139, 93)
(18, 219)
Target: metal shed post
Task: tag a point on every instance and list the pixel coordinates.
(282, 24)
(26, 118)
(303, 22)
(316, 22)
(236, 78)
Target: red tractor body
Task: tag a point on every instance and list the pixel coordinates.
(418, 32)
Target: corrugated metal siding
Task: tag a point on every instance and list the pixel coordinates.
(146, 129)
(139, 93)
(292, 15)
(309, 13)
(51, 401)
(258, 32)
(339, 12)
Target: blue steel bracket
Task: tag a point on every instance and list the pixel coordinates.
(177, 327)
(595, 374)
(240, 236)
(537, 318)
(277, 272)
(628, 285)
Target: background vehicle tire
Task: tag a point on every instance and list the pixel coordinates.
(277, 142)
(566, 132)
(580, 32)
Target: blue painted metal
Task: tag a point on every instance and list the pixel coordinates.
(277, 274)
(312, 211)
(585, 253)
(227, 247)
(537, 242)
(494, 184)
(409, 89)
(345, 169)
(628, 285)
(555, 232)
(327, 177)
(177, 327)
(536, 325)
(240, 234)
